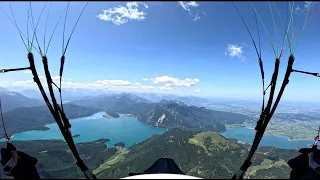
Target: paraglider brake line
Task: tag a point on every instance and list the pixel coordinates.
(14, 69)
(56, 85)
(305, 72)
(3, 124)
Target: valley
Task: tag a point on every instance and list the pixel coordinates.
(192, 131)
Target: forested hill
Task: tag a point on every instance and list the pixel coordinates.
(205, 155)
(55, 161)
(34, 118)
(169, 114)
(176, 114)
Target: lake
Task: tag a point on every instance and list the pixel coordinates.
(126, 129)
(130, 131)
(246, 134)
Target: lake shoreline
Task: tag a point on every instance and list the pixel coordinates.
(291, 138)
(89, 129)
(247, 133)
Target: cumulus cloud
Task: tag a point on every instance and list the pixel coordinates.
(121, 85)
(122, 14)
(99, 84)
(234, 50)
(159, 84)
(172, 81)
(305, 8)
(308, 4)
(196, 90)
(189, 6)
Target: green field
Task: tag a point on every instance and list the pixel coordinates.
(295, 130)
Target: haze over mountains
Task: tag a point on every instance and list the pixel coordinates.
(34, 118)
(11, 100)
(70, 94)
(168, 114)
(192, 132)
(106, 100)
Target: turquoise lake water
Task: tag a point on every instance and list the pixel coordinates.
(131, 131)
(125, 129)
(246, 134)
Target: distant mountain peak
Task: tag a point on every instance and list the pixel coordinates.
(12, 100)
(163, 101)
(175, 103)
(180, 103)
(2, 89)
(133, 97)
(171, 104)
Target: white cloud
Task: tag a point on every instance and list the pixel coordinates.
(196, 90)
(27, 72)
(171, 81)
(165, 88)
(122, 14)
(306, 6)
(234, 50)
(188, 6)
(122, 85)
(160, 84)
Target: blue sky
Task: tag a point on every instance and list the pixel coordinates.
(187, 48)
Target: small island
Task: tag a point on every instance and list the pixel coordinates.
(107, 116)
(110, 115)
(76, 135)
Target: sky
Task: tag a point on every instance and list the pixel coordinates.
(184, 48)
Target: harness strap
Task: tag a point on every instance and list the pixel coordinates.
(13, 161)
(312, 163)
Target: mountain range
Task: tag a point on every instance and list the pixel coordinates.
(68, 94)
(34, 118)
(191, 140)
(189, 100)
(11, 100)
(71, 94)
(169, 114)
